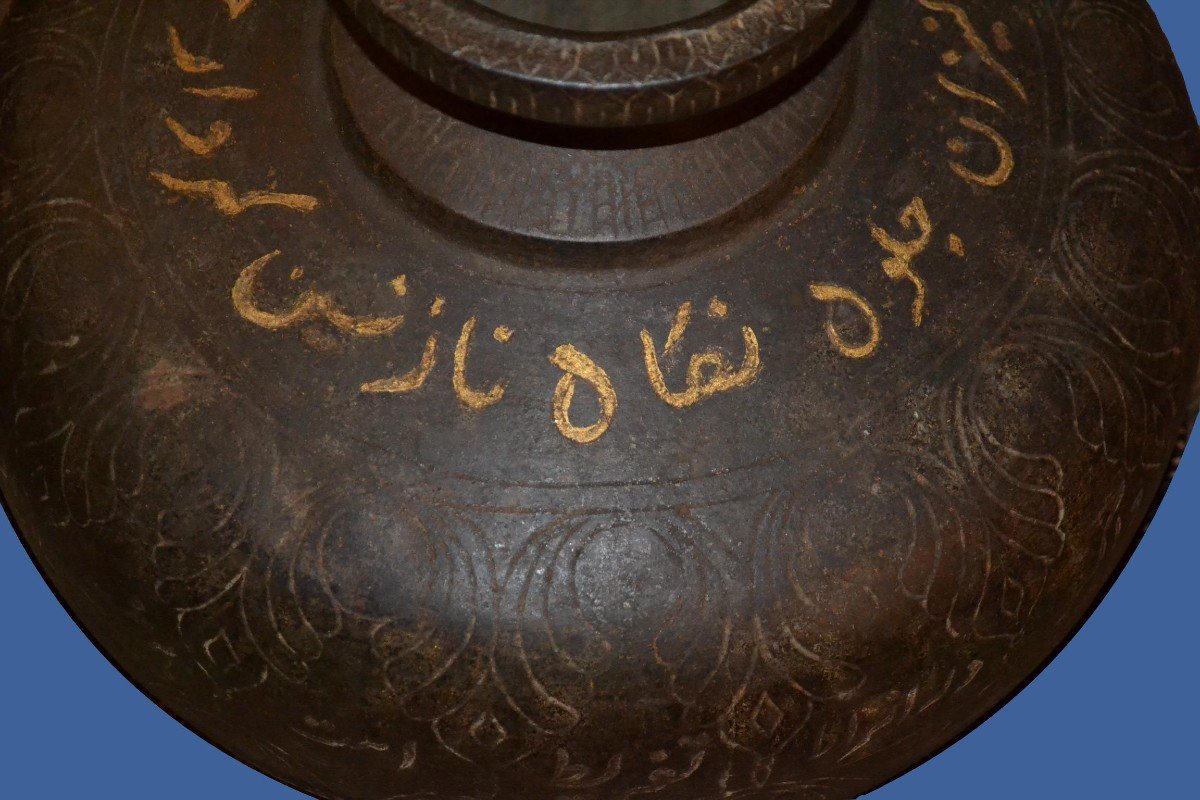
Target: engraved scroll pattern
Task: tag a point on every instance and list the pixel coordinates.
(236, 582)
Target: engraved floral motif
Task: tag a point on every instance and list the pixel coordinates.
(485, 631)
(61, 328)
(229, 558)
(1103, 41)
(38, 62)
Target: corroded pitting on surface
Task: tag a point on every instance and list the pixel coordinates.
(389, 504)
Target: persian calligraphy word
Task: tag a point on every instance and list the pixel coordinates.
(981, 101)
(678, 378)
(220, 193)
(903, 251)
(899, 264)
(709, 373)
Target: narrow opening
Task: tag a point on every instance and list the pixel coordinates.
(602, 16)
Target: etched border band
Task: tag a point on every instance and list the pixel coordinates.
(650, 77)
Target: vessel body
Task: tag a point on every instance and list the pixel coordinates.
(404, 448)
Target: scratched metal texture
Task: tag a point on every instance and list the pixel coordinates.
(407, 448)
(603, 15)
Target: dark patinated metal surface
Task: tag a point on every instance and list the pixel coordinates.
(602, 16)
(626, 79)
(753, 436)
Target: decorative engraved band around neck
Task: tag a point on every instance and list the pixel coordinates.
(618, 80)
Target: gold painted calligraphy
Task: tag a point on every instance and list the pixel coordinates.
(311, 306)
(237, 7)
(218, 135)
(412, 380)
(976, 42)
(220, 132)
(469, 397)
(579, 367)
(223, 92)
(185, 60)
(1007, 161)
(834, 294)
(899, 266)
(229, 202)
(1005, 158)
(709, 373)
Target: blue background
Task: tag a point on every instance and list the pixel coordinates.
(1114, 717)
